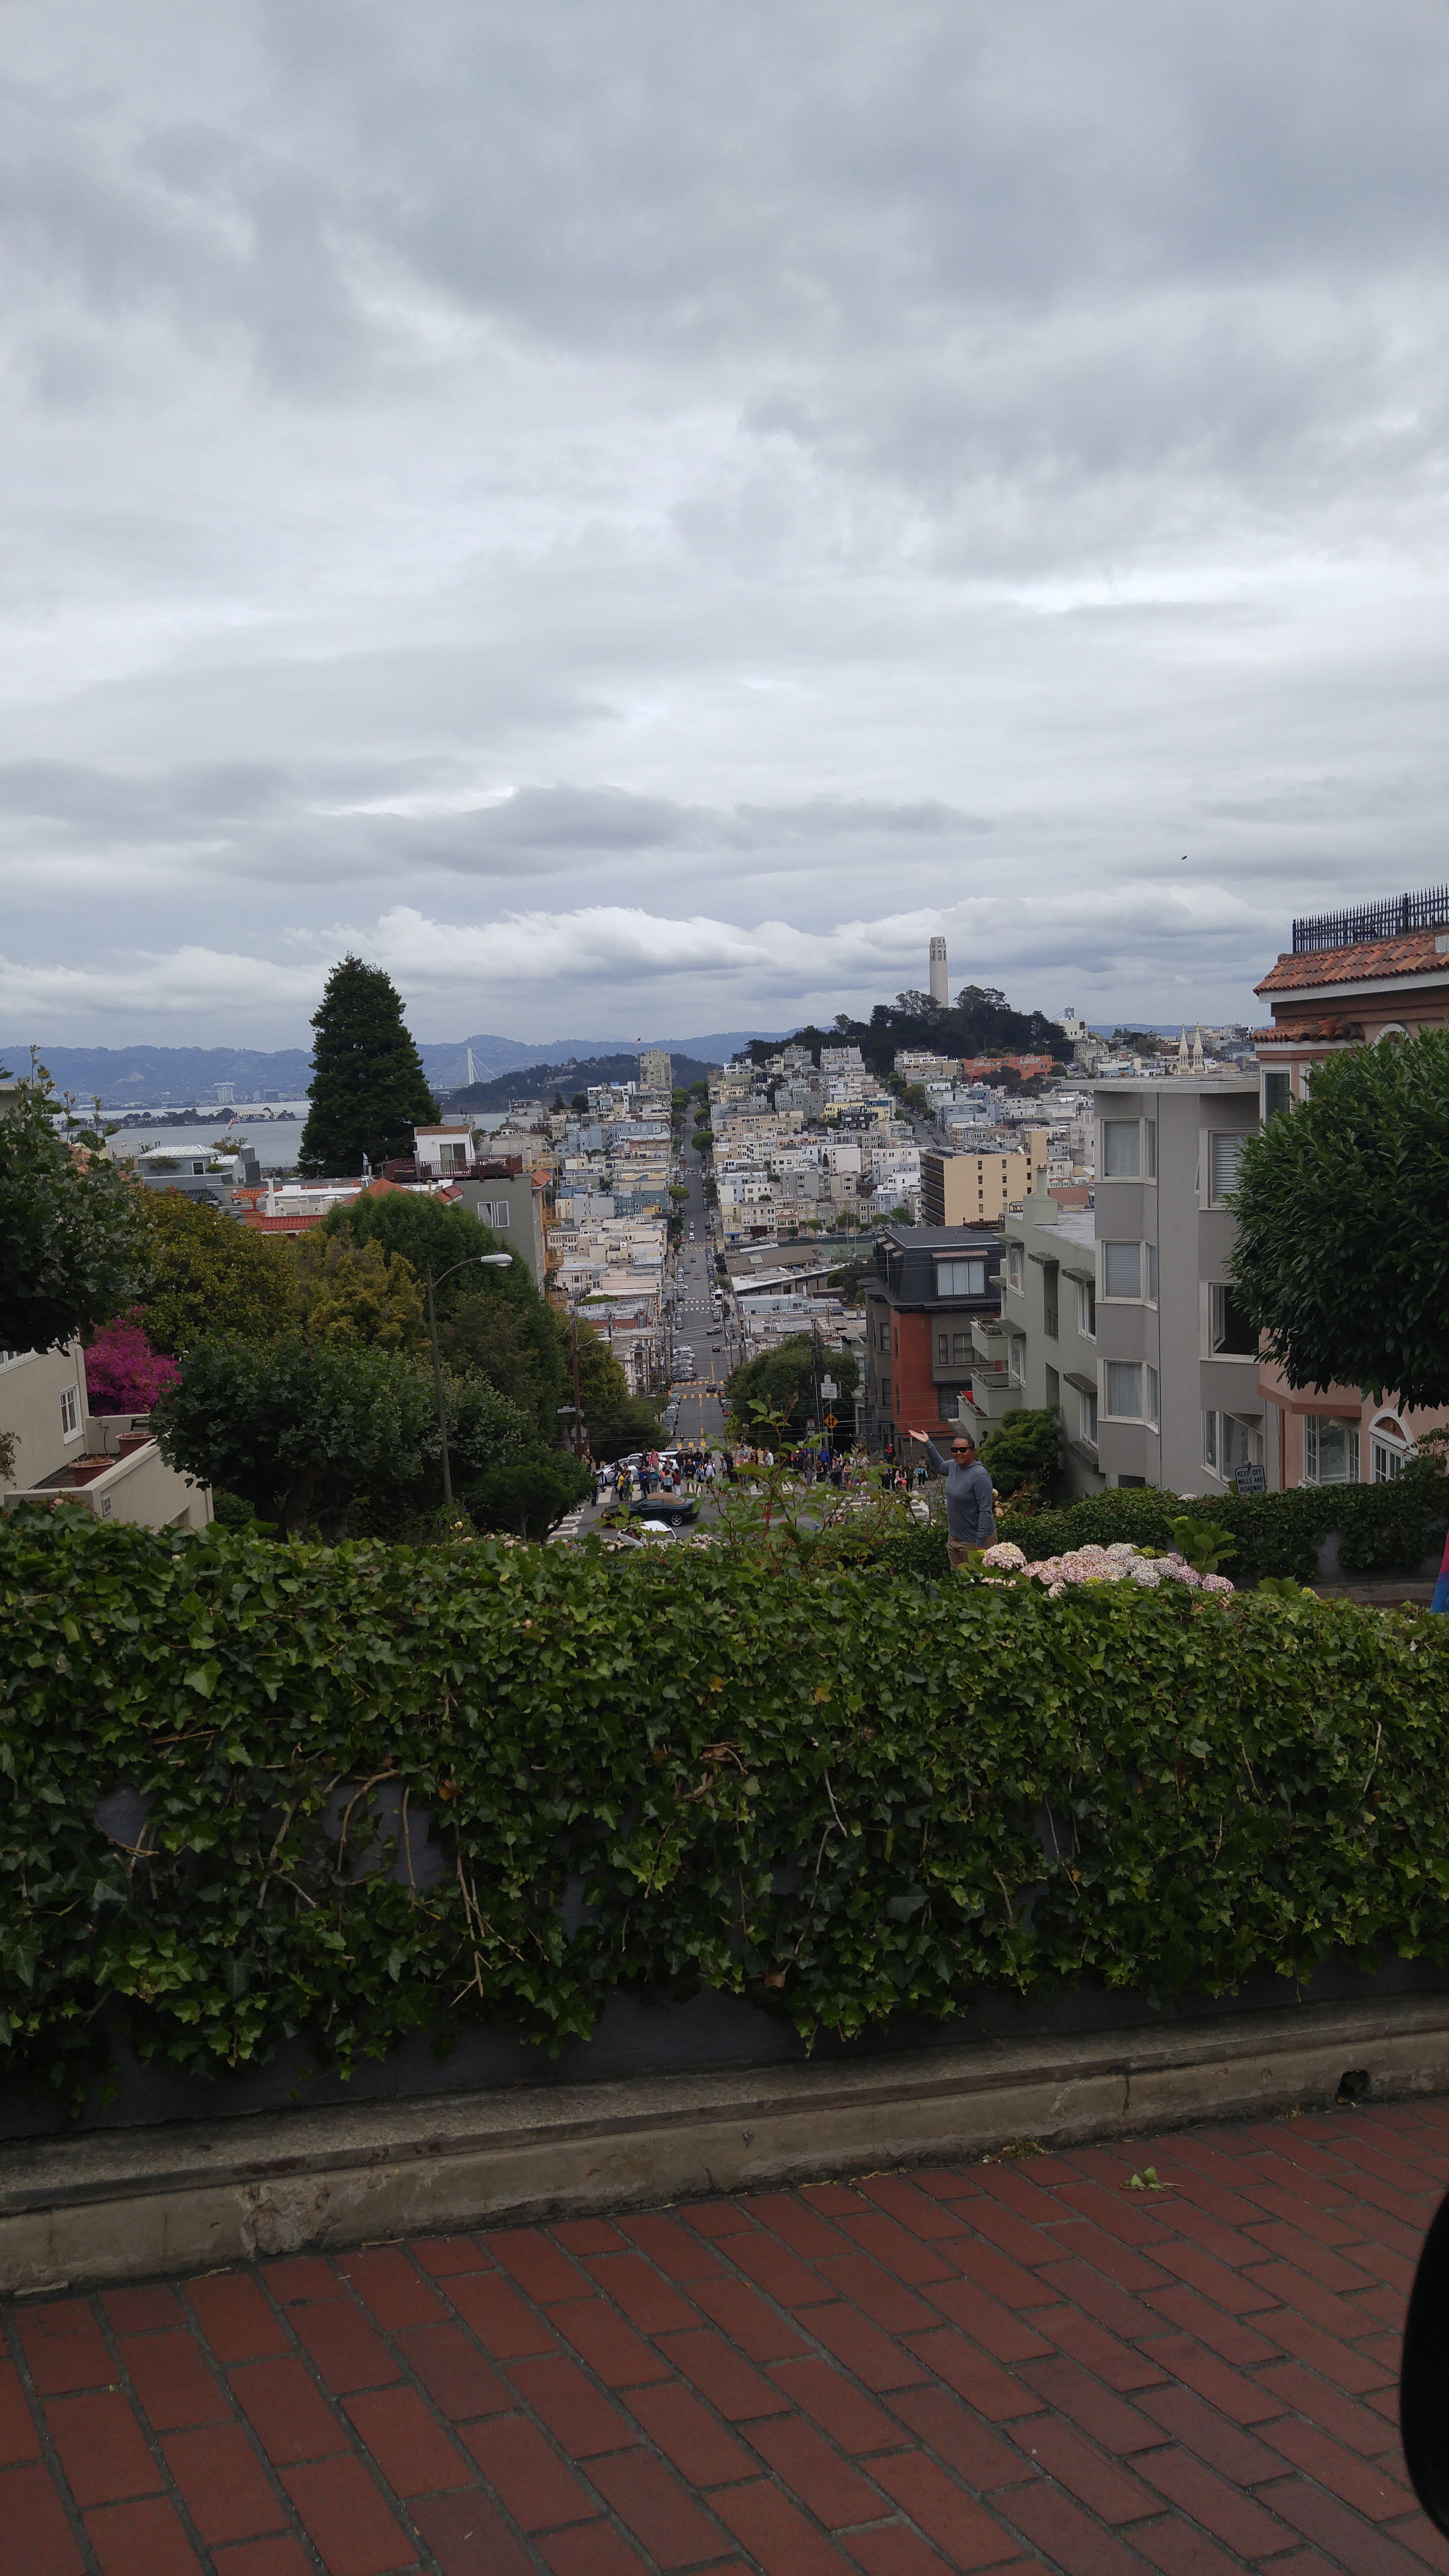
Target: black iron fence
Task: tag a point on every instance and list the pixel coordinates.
(1392, 918)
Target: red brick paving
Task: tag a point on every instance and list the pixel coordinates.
(1002, 2366)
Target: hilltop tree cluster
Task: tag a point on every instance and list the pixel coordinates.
(979, 1022)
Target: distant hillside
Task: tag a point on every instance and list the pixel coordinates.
(445, 1061)
(146, 1077)
(979, 1020)
(546, 1081)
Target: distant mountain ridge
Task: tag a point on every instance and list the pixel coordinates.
(546, 1078)
(146, 1076)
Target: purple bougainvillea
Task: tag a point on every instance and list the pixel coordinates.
(123, 1373)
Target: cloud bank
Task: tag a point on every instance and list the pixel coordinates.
(621, 513)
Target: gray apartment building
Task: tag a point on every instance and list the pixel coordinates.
(1178, 1400)
(1042, 1351)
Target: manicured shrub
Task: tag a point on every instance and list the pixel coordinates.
(840, 1796)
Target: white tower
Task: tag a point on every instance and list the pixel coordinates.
(940, 982)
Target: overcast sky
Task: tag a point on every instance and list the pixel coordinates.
(634, 515)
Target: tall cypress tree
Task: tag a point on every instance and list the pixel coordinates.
(368, 1088)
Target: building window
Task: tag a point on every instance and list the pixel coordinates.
(960, 1350)
(1224, 1155)
(885, 1395)
(1277, 1095)
(1124, 1389)
(1152, 1395)
(1087, 1310)
(494, 1212)
(943, 1350)
(960, 1278)
(1330, 1450)
(1149, 1140)
(70, 1417)
(1014, 1267)
(1053, 1391)
(1121, 1269)
(1230, 1335)
(1389, 1452)
(1121, 1149)
(1152, 1273)
(1087, 1418)
(1229, 1443)
(1051, 1301)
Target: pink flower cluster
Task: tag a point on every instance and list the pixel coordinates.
(1119, 1563)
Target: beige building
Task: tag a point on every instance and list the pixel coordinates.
(108, 1463)
(977, 1189)
(656, 1069)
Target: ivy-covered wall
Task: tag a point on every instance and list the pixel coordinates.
(837, 1793)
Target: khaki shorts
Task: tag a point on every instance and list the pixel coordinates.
(958, 1549)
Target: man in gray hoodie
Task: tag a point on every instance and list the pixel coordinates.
(970, 1518)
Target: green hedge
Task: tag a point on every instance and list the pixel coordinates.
(823, 1791)
(1384, 1529)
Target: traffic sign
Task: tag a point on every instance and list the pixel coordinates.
(831, 1420)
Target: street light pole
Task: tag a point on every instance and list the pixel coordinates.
(485, 1260)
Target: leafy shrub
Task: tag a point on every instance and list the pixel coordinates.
(1024, 1452)
(840, 1797)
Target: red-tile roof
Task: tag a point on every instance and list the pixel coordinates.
(1293, 1032)
(1414, 954)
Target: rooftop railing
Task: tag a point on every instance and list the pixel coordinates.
(1392, 918)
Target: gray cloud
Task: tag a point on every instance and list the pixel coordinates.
(735, 465)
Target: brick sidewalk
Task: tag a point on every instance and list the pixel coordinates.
(1019, 2363)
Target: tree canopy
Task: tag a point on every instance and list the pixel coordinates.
(784, 1380)
(1342, 1204)
(492, 1323)
(304, 1431)
(344, 1291)
(204, 1273)
(979, 1019)
(368, 1089)
(71, 1253)
(618, 1421)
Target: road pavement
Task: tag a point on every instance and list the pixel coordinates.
(701, 1413)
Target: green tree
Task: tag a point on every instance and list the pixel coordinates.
(368, 1089)
(297, 1429)
(303, 1431)
(1023, 1454)
(204, 1273)
(784, 1379)
(1342, 1205)
(492, 1323)
(529, 1495)
(618, 1421)
(71, 1253)
(351, 1292)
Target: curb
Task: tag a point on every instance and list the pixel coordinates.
(126, 2204)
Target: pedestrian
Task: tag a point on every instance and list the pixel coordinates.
(970, 1516)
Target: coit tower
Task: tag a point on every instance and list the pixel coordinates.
(939, 982)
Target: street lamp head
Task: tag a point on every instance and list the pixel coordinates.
(496, 1260)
